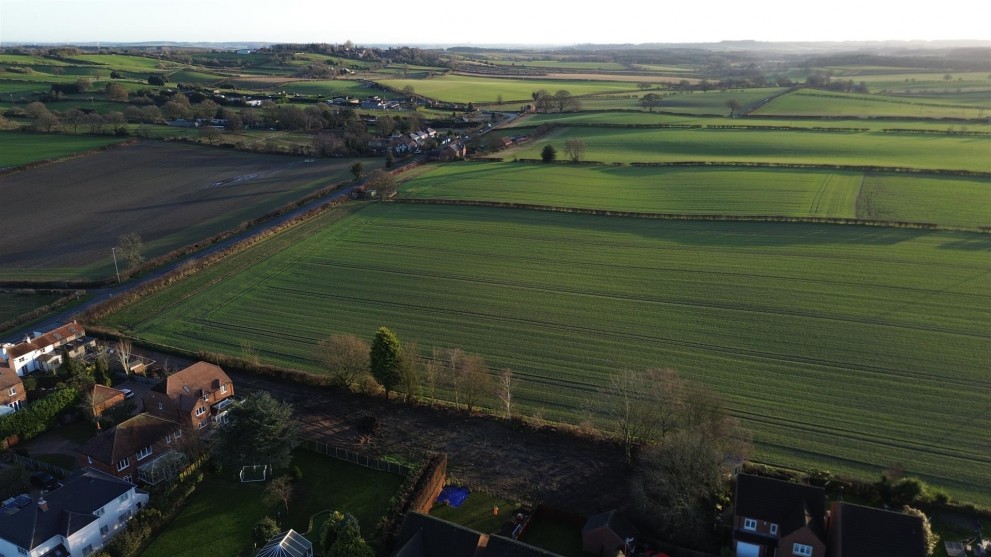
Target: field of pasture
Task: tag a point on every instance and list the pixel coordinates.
(464, 89)
(943, 200)
(17, 149)
(810, 332)
(947, 152)
(808, 102)
(171, 195)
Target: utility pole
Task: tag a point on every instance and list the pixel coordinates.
(113, 251)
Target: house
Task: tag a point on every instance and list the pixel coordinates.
(605, 532)
(775, 518)
(423, 535)
(197, 396)
(12, 394)
(857, 531)
(287, 544)
(74, 520)
(105, 398)
(140, 448)
(42, 351)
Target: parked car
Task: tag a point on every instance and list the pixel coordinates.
(128, 393)
(44, 480)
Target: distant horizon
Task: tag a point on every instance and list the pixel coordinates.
(511, 22)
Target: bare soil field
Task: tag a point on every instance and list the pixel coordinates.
(170, 194)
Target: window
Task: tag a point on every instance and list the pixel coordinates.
(802, 549)
(168, 439)
(201, 410)
(104, 530)
(178, 433)
(124, 463)
(749, 524)
(12, 391)
(774, 529)
(161, 406)
(99, 512)
(88, 549)
(127, 478)
(202, 424)
(89, 460)
(22, 551)
(223, 389)
(123, 498)
(122, 519)
(143, 453)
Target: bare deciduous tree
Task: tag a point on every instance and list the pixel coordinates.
(640, 406)
(346, 358)
(124, 351)
(410, 371)
(576, 149)
(474, 381)
(280, 490)
(507, 384)
(129, 248)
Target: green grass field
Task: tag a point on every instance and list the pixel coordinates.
(16, 303)
(801, 147)
(847, 348)
(21, 148)
(807, 102)
(222, 511)
(459, 88)
(945, 200)
(732, 191)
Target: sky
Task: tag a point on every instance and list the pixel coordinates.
(472, 22)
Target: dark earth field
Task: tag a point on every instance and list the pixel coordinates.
(170, 194)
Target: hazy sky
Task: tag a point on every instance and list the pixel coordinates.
(493, 22)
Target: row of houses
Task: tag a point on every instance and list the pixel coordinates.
(775, 518)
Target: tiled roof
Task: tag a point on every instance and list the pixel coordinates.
(70, 508)
(436, 537)
(194, 381)
(859, 531)
(789, 505)
(127, 438)
(51, 338)
(102, 393)
(8, 378)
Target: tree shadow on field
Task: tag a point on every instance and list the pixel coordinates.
(691, 232)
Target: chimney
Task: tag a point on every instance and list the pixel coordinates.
(42, 505)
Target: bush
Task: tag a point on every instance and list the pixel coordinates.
(264, 530)
(295, 474)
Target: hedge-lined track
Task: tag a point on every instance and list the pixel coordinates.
(811, 332)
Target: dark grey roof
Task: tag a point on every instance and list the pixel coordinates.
(70, 508)
(612, 520)
(287, 544)
(789, 505)
(436, 537)
(499, 546)
(859, 531)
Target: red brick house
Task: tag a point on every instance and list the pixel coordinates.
(122, 450)
(197, 396)
(857, 531)
(12, 394)
(775, 518)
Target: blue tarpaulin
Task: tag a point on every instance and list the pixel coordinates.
(453, 496)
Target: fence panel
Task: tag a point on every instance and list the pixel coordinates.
(355, 458)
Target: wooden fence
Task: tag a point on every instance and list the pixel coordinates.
(33, 464)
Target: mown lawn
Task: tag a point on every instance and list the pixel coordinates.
(222, 511)
(839, 346)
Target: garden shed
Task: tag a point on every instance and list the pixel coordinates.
(605, 532)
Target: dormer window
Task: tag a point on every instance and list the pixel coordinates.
(774, 529)
(749, 524)
(802, 550)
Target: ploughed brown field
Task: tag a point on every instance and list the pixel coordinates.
(61, 220)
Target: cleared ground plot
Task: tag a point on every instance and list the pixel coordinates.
(171, 195)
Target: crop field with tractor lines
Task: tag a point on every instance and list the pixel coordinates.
(802, 328)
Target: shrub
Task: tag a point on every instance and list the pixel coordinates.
(264, 530)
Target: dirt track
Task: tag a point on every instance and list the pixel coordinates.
(551, 467)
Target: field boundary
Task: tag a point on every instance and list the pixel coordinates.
(686, 217)
(4, 171)
(339, 453)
